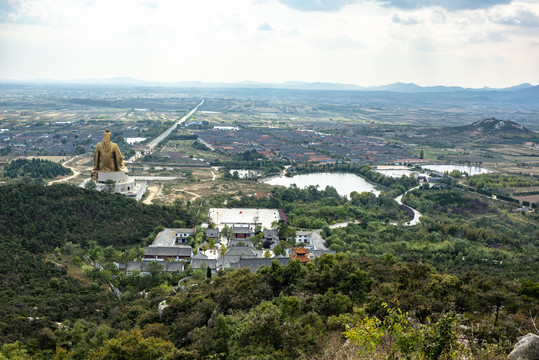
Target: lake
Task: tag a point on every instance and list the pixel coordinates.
(471, 170)
(344, 183)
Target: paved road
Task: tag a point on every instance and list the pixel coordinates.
(155, 178)
(398, 199)
(160, 138)
(417, 214)
(318, 241)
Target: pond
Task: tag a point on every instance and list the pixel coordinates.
(471, 170)
(344, 183)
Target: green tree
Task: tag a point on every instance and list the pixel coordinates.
(278, 250)
(110, 254)
(227, 231)
(90, 185)
(155, 269)
(14, 351)
(132, 345)
(110, 186)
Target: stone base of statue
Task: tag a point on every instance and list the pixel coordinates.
(118, 182)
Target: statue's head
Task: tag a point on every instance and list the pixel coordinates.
(107, 135)
(106, 140)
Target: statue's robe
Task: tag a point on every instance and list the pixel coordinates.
(108, 161)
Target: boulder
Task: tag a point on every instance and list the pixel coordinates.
(527, 348)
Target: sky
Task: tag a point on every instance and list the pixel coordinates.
(470, 43)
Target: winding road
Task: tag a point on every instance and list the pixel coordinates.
(417, 214)
(398, 199)
(75, 172)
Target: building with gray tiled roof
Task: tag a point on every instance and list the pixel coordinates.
(234, 253)
(172, 236)
(256, 263)
(162, 253)
(201, 261)
(271, 237)
(212, 234)
(141, 266)
(318, 253)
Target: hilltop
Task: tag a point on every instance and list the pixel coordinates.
(489, 129)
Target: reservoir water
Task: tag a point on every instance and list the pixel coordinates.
(344, 183)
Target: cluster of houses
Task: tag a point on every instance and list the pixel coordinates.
(171, 248)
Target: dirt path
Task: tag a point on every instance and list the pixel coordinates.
(342, 224)
(283, 173)
(153, 191)
(75, 172)
(192, 193)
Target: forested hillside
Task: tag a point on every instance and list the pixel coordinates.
(35, 168)
(463, 283)
(42, 218)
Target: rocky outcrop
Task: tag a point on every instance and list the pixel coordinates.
(161, 308)
(527, 348)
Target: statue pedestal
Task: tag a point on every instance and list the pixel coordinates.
(123, 184)
(116, 176)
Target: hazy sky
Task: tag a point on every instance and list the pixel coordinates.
(472, 43)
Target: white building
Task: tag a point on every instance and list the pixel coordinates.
(123, 184)
(244, 217)
(304, 237)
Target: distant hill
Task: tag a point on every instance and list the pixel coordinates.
(414, 88)
(493, 126)
(518, 87)
(489, 129)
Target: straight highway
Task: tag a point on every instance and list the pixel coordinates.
(160, 138)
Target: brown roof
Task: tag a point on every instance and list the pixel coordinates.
(302, 259)
(300, 250)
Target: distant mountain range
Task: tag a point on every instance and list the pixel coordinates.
(292, 85)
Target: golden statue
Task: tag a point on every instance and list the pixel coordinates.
(107, 157)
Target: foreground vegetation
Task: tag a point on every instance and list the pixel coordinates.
(463, 283)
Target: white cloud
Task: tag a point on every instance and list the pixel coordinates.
(520, 16)
(361, 42)
(405, 20)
